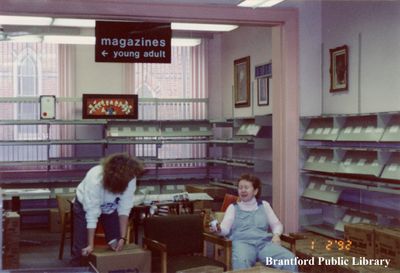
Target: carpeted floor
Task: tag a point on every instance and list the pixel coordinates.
(39, 249)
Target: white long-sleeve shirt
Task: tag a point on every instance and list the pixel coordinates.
(92, 195)
(274, 223)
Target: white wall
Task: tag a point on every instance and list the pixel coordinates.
(371, 29)
(92, 77)
(245, 41)
(310, 39)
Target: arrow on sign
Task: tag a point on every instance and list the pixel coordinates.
(104, 53)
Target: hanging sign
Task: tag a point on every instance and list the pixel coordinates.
(133, 42)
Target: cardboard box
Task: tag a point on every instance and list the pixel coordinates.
(203, 269)
(131, 259)
(54, 221)
(387, 245)
(11, 238)
(362, 237)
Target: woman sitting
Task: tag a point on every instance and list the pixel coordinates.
(246, 223)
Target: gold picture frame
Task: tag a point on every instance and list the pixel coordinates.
(339, 68)
(242, 82)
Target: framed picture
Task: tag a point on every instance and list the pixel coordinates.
(263, 74)
(242, 82)
(263, 91)
(339, 68)
(109, 106)
(47, 107)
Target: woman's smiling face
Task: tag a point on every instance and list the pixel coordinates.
(246, 190)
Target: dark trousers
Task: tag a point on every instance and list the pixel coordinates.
(110, 223)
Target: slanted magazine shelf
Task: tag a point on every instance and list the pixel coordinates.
(392, 167)
(360, 163)
(318, 190)
(64, 157)
(321, 129)
(320, 160)
(363, 128)
(247, 149)
(350, 171)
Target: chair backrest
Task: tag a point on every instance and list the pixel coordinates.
(64, 206)
(228, 199)
(182, 234)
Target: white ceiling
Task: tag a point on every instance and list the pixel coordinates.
(190, 2)
(18, 30)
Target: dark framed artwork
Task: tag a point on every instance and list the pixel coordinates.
(263, 75)
(242, 82)
(263, 91)
(109, 106)
(339, 68)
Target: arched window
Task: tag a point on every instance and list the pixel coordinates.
(27, 86)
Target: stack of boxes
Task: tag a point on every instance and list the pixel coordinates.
(11, 237)
(374, 242)
(387, 245)
(362, 239)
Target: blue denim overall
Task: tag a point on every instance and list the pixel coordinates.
(252, 242)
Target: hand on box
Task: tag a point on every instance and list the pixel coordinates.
(120, 245)
(87, 250)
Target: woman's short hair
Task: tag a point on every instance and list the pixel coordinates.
(255, 181)
(119, 170)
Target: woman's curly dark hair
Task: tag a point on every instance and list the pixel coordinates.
(118, 170)
(255, 181)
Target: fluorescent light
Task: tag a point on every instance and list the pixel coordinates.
(26, 39)
(69, 39)
(68, 22)
(185, 42)
(202, 27)
(251, 3)
(25, 20)
(270, 3)
(259, 3)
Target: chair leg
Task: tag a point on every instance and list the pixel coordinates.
(163, 262)
(61, 252)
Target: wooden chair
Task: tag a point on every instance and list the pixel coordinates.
(179, 240)
(228, 199)
(64, 208)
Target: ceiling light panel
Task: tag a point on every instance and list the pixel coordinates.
(185, 42)
(68, 22)
(27, 39)
(251, 3)
(69, 39)
(25, 20)
(259, 3)
(270, 3)
(202, 27)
